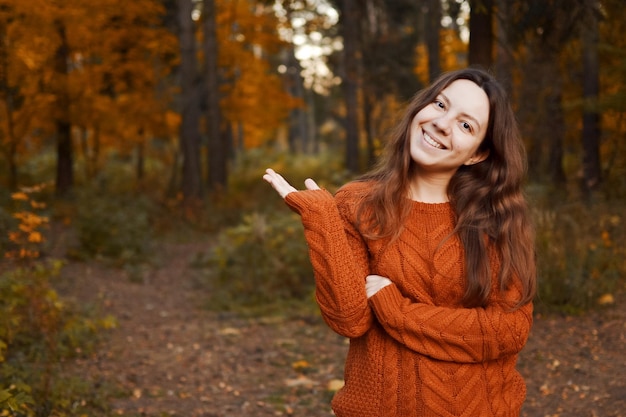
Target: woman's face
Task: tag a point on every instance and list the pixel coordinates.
(447, 132)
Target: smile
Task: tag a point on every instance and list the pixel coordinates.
(433, 142)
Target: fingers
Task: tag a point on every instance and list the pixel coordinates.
(311, 185)
(375, 283)
(282, 186)
(278, 182)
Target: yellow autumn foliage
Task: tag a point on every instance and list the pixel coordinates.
(255, 99)
(452, 54)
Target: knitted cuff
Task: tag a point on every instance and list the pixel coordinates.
(387, 305)
(308, 200)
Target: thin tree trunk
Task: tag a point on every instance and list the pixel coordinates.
(189, 130)
(369, 131)
(140, 149)
(312, 144)
(432, 37)
(544, 120)
(95, 152)
(84, 147)
(65, 158)
(298, 133)
(7, 96)
(591, 119)
(350, 31)
(481, 33)
(504, 59)
(11, 148)
(556, 133)
(217, 144)
(172, 185)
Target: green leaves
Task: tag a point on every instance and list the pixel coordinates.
(16, 397)
(258, 262)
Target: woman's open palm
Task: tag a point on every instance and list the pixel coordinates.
(281, 185)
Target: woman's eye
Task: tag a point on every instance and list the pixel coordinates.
(466, 126)
(439, 104)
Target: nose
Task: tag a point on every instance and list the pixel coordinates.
(443, 124)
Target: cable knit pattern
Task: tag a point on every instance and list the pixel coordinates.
(414, 351)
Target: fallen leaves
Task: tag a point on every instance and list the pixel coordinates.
(230, 331)
(335, 385)
(606, 299)
(300, 381)
(195, 363)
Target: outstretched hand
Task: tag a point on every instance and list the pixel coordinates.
(282, 186)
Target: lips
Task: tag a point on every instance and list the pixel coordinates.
(432, 142)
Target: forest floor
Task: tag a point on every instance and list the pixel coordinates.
(169, 356)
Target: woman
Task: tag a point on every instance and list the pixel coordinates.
(427, 262)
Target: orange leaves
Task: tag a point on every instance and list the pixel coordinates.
(27, 237)
(254, 96)
(452, 48)
(258, 101)
(116, 52)
(117, 90)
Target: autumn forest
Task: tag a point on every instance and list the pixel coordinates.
(128, 127)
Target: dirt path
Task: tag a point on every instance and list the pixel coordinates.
(171, 357)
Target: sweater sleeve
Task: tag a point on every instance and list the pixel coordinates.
(464, 335)
(340, 262)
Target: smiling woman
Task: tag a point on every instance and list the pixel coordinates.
(427, 262)
(445, 135)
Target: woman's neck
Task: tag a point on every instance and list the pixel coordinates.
(429, 189)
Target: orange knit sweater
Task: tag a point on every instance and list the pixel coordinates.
(414, 351)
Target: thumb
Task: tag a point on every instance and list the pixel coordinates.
(310, 184)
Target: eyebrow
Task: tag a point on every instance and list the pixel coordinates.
(469, 116)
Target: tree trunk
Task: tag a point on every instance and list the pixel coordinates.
(83, 134)
(65, 158)
(217, 143)
(349, 27)
(191, 186)
(541, 115)
(140, 167)
(370, 130)
(312, 142)
(481, 33)
(556, 132)
(432, 37)
(504, 59)
(298, 138)
(11, 147)
(591, 119)
(95, 152)
(8, 97)
(65, 172)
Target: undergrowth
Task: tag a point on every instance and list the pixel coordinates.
(38, 330)
(581, 246)
(114, 227)
(260, 264)
(581, 255)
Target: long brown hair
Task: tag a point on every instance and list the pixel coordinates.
(487, 197)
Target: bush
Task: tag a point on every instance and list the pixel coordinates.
(258, 263)
(247, 192)
(581, 252)
(114, 227)
(37, 333)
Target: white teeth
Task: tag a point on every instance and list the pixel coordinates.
(431, 142)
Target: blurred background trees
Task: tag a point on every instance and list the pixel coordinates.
(184, 102)
(124, 122)
(185, 87)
